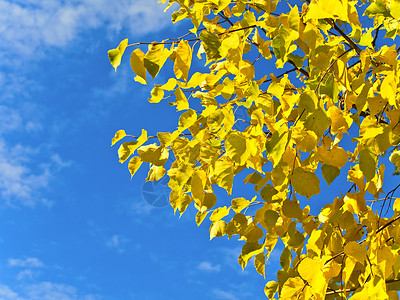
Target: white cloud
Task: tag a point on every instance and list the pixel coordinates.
(18, 182)
(208, 267)
(29, 262)
(28, 26)
(221, 294)
(117, 242)
(7, 294)
(27, 274)
(44, 291)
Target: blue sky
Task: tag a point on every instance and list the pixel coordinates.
(73, 226)
(72, 223)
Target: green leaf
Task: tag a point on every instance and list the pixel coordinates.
(115, 55)
(377, 8)
(270, 218)
(368, 162)
(317, 122)
(329, 173)
(268, 192)
(305, 183)
(211, 44)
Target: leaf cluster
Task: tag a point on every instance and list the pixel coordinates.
(308, 74)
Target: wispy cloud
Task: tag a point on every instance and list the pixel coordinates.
(6, 293)
(21, 180)
(117, 242)
(227, 295)
(29, 262)
(30, 26)
(208, 267)
(44, 291)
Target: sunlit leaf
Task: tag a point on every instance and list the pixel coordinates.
(120, 134)
(137, 65)
(115, 55)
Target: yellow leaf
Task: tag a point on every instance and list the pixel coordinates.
(137, 65)
(209, 200)
(200, 216)
(126, 149)
(294, 18)
(331, 269)
(311, 270)
(157, 94)
(211, 44)
(181, 100)
(155, 58)
(231, 42)
(292, 288)
(237, 149)
(154, 154)
(341, 121)
(270, 289)
(250, 249)
(170, 85)
(120, 134)
(317, 122)
(217, 229)
(187, 119)
(389, 89)
(375, 288)
(276, 146)
(155, 173)
(305, 183)
(219, 213)
(197, 184)
(356, 251)
(335, 156)
(184, 203)
(396, 205)
(183, 60)
(259, 263)
(355, 202)
(134, 165)
(238, 204)
(115, 55)
(223, 174)
(237, 225)
(328, 9)
(179, 175)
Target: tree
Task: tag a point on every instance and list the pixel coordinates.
(310, 75)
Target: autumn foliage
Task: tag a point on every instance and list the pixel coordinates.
(319, 83)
